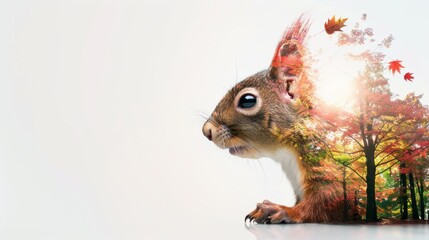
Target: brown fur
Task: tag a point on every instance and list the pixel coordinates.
(282, 122)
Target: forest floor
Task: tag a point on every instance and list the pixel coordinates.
(386, 221)
(400, 221)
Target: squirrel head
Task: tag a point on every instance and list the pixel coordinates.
(260, 114)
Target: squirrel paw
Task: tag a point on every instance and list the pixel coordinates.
(268, 212)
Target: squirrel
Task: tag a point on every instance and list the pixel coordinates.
(269, 114)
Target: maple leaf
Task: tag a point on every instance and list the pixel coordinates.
(408, 76)
(395, 66)
(334, 25)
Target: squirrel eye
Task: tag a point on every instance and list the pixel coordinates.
(247, 101)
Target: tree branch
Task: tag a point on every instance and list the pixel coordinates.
(388, 167)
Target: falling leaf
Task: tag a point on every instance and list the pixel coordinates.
(395, 66)
(408, 76)
(334, 25)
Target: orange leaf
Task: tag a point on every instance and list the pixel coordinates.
(334, 25)
(395, 66)
(408, 76)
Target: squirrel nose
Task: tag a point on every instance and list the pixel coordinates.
(207, 130)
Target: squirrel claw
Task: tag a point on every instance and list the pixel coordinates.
(268, 213)
(250, 218)
(247, 218)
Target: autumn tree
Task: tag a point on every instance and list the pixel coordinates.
(422, 176)
(378, 126)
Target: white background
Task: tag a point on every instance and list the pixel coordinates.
(102, 104)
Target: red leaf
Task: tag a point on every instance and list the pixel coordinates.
(404, 170)
(334, 25)
(408, 76)
(395, 66)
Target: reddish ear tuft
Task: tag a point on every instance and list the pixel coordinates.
(291, 42)
(287, 64)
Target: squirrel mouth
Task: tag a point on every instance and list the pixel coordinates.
(237, 150)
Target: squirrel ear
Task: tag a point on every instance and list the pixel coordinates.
(286, 67)
(287, 64)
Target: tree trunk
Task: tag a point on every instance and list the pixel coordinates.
(404, 196)
(420, 189)
(346, 204)
(356, 214)
(371, 207)
(413, 197)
